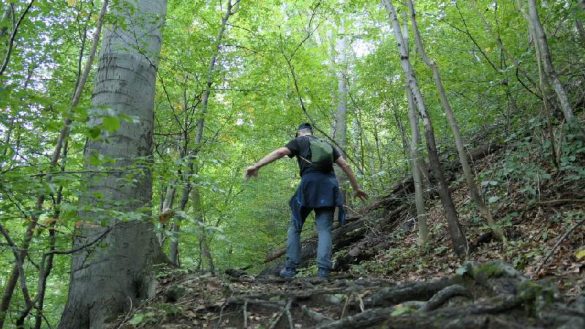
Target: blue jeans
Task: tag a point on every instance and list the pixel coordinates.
(323, 220)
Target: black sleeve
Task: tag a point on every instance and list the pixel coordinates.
(336, 153)
(294, 147)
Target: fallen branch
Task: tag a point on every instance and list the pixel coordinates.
(314, 315)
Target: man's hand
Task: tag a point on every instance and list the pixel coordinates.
(361, 194)
(252, 171)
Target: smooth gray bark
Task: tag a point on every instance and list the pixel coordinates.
(456, 233)
(340, 135)
(415, 158)
(339, 59)
(551, 76)
(110, 278)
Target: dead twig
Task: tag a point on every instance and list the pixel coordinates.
(127, 315)
(345, 305)
(279, 316)
(246, 314)
(559, 241)
(560, 201)
(291, 324)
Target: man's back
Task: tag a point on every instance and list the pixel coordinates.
(301, 148)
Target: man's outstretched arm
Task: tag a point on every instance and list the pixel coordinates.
(352, 180)
(272, 156)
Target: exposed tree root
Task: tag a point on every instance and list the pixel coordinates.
(415, 291)
(444, 295)
(490, 295)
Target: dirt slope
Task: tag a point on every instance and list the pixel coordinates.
(383, 279)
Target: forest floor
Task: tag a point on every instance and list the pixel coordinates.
(383, 279)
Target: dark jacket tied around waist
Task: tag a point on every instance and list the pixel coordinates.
(317, 190)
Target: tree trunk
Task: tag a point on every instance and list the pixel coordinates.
(11, 282)
(166, 207)
(579, 23)
(4, 19)
(419, 200)
(204, 248)
(415, 159)
(110, 278)
(458, 238)
(467, 171)
(340, 131)
(551, 76)
(200, 126)
(48, 264)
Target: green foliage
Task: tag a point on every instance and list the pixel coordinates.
(482, 50)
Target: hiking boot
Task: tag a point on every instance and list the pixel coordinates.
(323, 273)
(287, 273)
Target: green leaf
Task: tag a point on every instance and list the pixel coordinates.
(94, 132)
(401, 310)
(493, 199)
(111, 124)
(136, 319)
(580, 254)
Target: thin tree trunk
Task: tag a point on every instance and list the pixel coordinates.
(46, 263)
(200, 128)
(42, 286)
(340, 132)
(107, 280)
(581, 30)
(340, 135)
(550, 73)
(11, 284)
(458, 238)
(414, 156)
(415, 159)
(13, 37)
(467, 171)
(5, 17)
(205, 250)
(545, 92)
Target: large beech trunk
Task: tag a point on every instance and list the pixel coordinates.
(113, 275)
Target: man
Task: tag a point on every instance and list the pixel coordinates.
(318, 191)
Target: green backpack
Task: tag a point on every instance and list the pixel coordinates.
(321, 154)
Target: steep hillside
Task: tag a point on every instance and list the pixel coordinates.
(533, 280)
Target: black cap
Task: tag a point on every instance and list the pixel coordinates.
(305, 125)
